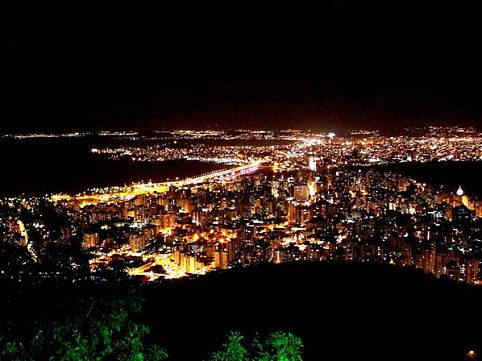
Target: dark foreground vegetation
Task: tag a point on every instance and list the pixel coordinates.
(322, 311)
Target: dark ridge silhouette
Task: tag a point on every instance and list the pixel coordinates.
(341, 311)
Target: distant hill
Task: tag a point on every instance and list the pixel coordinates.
(342, 311)
(449, 174)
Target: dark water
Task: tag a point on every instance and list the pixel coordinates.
(447, 174)
(39, 166)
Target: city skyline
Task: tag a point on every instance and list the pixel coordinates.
(275, 196)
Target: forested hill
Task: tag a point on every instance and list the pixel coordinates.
(342, 311)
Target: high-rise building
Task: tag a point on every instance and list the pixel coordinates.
(301, 192)
(312, 164)
(278, 256)
(221, 258)
(440, 268)
(189, 263)
(90, 240)
(478, 209)
(168, 220)
(462, 216)
(231, 250)
(137, 241)
(472, 271)
(428, 260)
(292, 213)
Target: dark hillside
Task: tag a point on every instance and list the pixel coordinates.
(341, 311)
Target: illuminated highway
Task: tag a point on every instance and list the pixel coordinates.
(123, 193)
(225, 174)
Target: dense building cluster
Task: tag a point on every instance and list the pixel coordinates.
(313, 199)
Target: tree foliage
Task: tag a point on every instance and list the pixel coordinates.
(232, 350)
(278, 346)
(97, 330)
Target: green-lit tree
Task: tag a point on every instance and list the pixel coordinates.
(97, 330)
(232, 350)
(279, 346)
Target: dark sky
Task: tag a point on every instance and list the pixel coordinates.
(340, 65)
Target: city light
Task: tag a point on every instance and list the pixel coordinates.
(311, 196)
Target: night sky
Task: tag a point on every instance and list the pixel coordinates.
(340, 65)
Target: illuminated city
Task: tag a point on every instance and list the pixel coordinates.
(317, 197)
